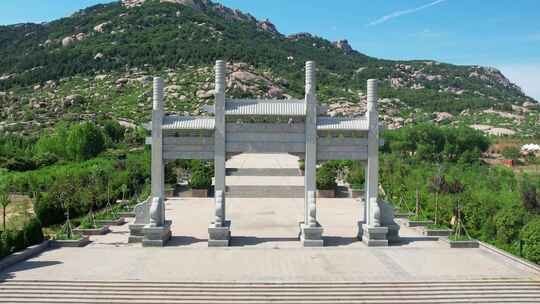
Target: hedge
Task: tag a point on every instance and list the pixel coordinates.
(201, 179)
(17, 240)
(326, 178)
(530, 235)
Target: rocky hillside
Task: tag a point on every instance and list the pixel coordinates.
(99, 62)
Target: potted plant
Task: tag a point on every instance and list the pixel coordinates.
(110, 216)
(437, 230)
(89, 226)
(326, 182)
(418, 220)
(200, 182)
(460, 238)
(126, 211)
(65, 237)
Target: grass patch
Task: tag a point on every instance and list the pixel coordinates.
(61, 236)
(88, 223)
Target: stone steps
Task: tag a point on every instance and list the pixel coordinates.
(488, 291)
(263, 172)
(270, 191)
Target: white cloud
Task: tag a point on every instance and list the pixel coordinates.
(404, 12)
(525, 76)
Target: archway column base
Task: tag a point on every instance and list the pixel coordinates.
(311, 236)
(374, 236)
(157, 236)
(219, 236)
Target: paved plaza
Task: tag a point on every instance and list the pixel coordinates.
(265, 247)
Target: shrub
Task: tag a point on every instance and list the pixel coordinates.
(509, 222)
(20, 163)
(33, 232)
(114, 130)
(4, 249)
(201, 179)
(85, 141)
(530, 234)
(512, 153)
(15, 240)
(326, 178)
(302, 165)
(529, 197)
(356, 176)
(45, 159)
(88, 223)
(48, 210)
(170, 173)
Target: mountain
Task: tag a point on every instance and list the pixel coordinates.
(98, 62)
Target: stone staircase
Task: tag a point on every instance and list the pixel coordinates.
(82, 292)
(281, 183)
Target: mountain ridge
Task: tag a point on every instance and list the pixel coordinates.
(160, 36)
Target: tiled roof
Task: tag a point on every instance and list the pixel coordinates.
(188, 123)
(339, 123)
(265, 107)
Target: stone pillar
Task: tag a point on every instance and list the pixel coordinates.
(311, 230)
(219, 229)
(158, 175)
(363, 201)
(373, 233)
(157, 232)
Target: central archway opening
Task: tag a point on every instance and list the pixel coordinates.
(265, 199)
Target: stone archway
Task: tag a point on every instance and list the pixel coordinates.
(264, 126)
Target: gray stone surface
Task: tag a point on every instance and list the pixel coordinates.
(28, 252)
(156, 236)
(219, 236)
(375, 236)
(265, 247)
(311, 236)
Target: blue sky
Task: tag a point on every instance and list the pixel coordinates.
(500, 33)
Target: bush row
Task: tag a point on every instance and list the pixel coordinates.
(14, 240)
(78, 187)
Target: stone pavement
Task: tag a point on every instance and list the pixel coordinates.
(265, 248)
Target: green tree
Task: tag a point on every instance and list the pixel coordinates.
(529, 196)
(4, 201)
(54, 143)
(326, 178)
(438, 185)
(512, 153)
(85, 141)
(509, 222)
(114, 130)
(530, 235)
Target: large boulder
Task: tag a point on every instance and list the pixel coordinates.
(245, 76)
(205, 94)
(80, 36)
(344, 45)
(67, 41)
(275, 92)
(100, 28)
(73, 100)
(268, 26)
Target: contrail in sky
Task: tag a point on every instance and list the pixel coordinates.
(404, 12)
